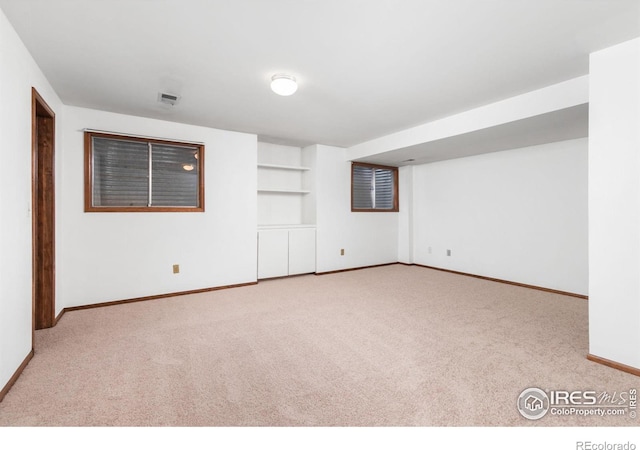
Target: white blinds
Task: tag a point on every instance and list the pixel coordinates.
(372, 188)
(129, 173)
(383, 189)
(363, 187)
(174, 176)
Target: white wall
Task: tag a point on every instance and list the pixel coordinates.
(112, 256)
(530, 104)
(18, 73)
(405, 215)
(368, 238)
(518, 215)
(614, 204)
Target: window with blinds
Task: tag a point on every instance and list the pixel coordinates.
(374, 188)
(125, 173)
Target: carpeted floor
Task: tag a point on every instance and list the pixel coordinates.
(385, 346)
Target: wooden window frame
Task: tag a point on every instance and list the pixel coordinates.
(394, 171)
(88, 174)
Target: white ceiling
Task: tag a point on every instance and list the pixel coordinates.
(366, 68)
(561, 125)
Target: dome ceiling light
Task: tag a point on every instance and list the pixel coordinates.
(283, 84)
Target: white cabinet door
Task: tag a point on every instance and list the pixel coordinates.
(273, 254)
(302, 251)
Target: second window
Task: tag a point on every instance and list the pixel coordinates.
(374, 188)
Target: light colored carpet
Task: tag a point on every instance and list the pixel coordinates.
(385, 346)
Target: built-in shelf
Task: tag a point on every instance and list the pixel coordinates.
(284, 191)
(285, 185)
(283, 167)
(286, 226)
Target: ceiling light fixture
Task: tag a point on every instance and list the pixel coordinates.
(283, 84)
(188, 167)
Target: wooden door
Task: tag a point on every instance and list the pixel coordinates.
(43, 214)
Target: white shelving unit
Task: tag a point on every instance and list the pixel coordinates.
(280, 166)
(284, 191)
(286, 251)
(285, 185)
(286, 211)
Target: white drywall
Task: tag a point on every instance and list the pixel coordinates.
(549, 99)
(614, 204)
(405, 215)
(111, 256)
(368, 238)
(517, 215)
(18, 74)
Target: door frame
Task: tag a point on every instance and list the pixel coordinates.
(43, 219)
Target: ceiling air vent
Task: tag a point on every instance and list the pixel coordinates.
(169, 99)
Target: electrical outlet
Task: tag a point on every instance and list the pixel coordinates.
(429, 250)
(448, 252)
(341, 252)
(176, 268)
